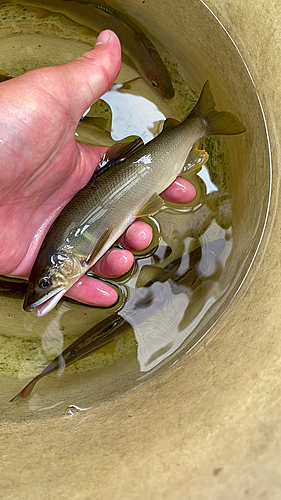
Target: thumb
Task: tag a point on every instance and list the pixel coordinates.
(89, 76)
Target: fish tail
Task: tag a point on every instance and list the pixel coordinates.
(218, 122)
(57, 363)
(26, 391)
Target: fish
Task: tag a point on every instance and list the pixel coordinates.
(135, 43)
(106, 331)
(126, 185)
(118, 323)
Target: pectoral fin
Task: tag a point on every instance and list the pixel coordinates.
(153, 205)
(195, 160)
(91, 259)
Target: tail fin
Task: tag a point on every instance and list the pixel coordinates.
(218, 122)
(26, 391)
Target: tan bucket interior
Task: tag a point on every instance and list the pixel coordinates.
(209, 426)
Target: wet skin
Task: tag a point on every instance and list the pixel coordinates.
(42, 166)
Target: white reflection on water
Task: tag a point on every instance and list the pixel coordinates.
(136, 123)
(204, 175)
(35, 403)
(72, 409)
(163, 336)
(164, 324)
(52, 338)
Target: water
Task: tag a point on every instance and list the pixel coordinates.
(179, 314)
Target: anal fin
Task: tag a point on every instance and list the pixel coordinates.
(195, 160)
(153, 205)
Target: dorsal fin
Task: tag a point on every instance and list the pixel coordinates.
(120, 151)
(116, 154)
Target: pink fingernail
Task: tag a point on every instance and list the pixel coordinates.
(103, 37)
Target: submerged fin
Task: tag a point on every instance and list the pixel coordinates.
(126, 85)
(218, 122)
(99, 245)
(196, 159)
(170, 123)
(4, 78)
(153, 205)
(149, 274)
(96, 121)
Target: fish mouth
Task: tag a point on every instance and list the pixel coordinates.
(47, 302)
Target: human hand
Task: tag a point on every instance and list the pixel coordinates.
(42, 166)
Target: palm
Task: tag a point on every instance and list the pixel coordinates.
(42, 168)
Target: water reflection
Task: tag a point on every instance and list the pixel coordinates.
(165, 311)
(205, 176)
(143, 124)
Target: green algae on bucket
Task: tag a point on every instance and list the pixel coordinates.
(219, 211)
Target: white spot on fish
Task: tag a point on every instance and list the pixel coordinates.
(146, 160)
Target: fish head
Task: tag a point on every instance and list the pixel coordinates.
(51, 276)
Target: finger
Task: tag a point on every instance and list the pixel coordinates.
(180, 191)
(114, 263)
(137, 237)
(89, 76)
(93, 292)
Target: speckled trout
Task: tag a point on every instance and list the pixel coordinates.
(125, 186)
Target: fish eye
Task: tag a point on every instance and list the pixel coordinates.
(44, 282)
